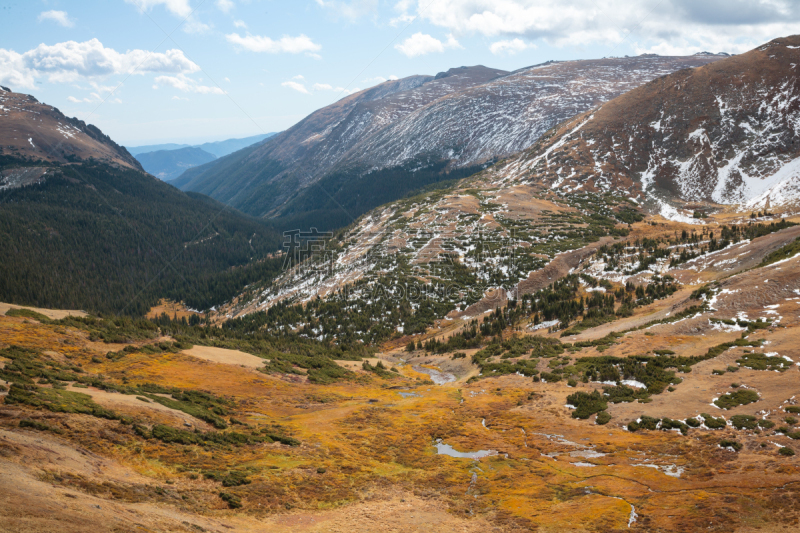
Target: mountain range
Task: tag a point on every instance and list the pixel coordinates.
(400, 136)
(169, 161)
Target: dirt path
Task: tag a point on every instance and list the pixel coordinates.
(223, 355)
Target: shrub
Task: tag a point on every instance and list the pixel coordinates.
(728, 443)
(586, 404)
(235, 479)
(766, 424)
(795, 409)
(795, 435)
(790, 420)
(733, 399)
(668, 423)
(693, 422)
(572, 383)
(321, 470)
(603, 418)
(744, 421)
(713, 423)
(39, 426)
(233, 501)
(786, 451)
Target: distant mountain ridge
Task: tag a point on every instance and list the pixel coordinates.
(406, 134)
(169, 161)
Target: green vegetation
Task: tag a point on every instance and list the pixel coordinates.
(233, 501)
(759, 361)
(786, 451)
(587, 404)
(113, 240)
(730, 443)
(603, 418)
(784, 252)
(713, 423)
(733, 399)
(27, 313)
(744, 422)
(39, 426)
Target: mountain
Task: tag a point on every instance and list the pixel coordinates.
(396, 138)
(223, 148)
(726, 133)
(169, 164)
(82, 226)
(31, 131)
(136, 150)
(169, 161)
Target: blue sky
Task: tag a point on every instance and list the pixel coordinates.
(151, 71)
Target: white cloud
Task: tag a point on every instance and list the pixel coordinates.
(685, 26)
(402, 20)
(258, 43)
(351, 10)
(180, 8)
(299, 87)
(71, 61)
(240, 24)
(186, 84)
(298, 77)
(225, 5)
(59, 17)
(509, 47)
(73, 99)
(312, 55)
(227, 79)
(176, 97)
(421, 44)
(322, 87)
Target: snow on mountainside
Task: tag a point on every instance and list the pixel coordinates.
(509, 114)
(726, 133)
(37, 131)
(464, 116)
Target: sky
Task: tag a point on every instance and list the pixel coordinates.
(190, 71)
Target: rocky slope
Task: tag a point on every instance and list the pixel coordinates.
(463, 117)
(36, 131)
(726, 133)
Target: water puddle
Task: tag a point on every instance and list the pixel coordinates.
(587, 454)
(446, 449)
(669, 470)
(437, 376)
(409, 394)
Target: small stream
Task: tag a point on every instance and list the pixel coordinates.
(437, 376)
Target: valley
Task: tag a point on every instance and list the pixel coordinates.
(565, 298)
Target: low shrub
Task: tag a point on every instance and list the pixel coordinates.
(693, 422)
(603, 418)
(794, 409)
(713, 423)
(233, 501)
(733, 399)
(587, 404)
(766, 424)
(39, 426)
(744, 421)
(729, 443)
(786, 451)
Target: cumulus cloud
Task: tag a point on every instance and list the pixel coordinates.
(681, 25)
(186, 84)
(59, 17)
(322, 87)
(421, 44)
(71, 61)
(286, 44)
(299, 87)
(352, 10)
(240, 24)
(509, 47)
(180, 8)
(224, 5)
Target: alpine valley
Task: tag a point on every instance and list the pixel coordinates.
(564, 298)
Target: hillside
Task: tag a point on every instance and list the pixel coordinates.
(726, 133)
(83, 227)
(386, 142)
(167, 165)
(34, 131)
